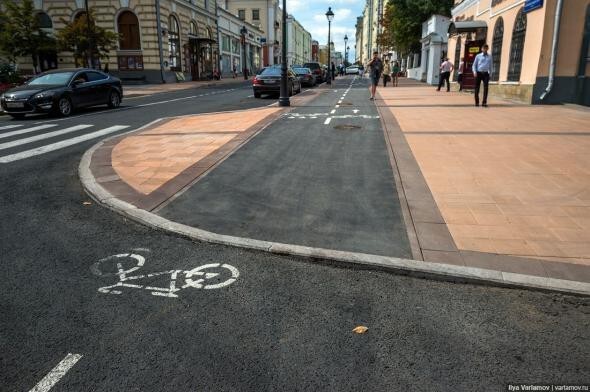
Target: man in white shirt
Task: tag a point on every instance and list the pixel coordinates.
(445, 73)
(482, 68)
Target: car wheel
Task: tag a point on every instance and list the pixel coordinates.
(17, 116)
(114, 99)
(257, 95)
(64, 106)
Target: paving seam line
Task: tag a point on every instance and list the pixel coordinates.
(415, 268)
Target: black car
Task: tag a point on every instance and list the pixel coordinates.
(305, 76)
(61, 92)
(269, 82)
(317, 70)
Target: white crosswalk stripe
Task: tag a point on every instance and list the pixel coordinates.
(11, 126)
(52, 146)
(48, 135)
(26, 130)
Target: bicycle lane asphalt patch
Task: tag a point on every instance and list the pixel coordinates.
(319, 176)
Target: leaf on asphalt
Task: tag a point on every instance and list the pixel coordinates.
(87, 203)
(360, 329)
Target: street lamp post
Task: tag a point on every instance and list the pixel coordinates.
(329, 16)
(345, 53)
(284, 98)
(244, 32)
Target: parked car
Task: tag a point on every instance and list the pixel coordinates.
(352, 70)
(317, 70)
(269, 82)
(63, 91)
(305, 76)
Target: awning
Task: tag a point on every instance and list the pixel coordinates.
(470, 26)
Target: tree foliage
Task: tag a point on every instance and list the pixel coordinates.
(86, 41)
(402, 22)
(20, 32)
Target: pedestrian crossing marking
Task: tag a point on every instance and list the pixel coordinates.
(32, 139)
(10, 126)
(57, 145)
(27, 130)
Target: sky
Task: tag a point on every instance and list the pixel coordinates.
(312, 15)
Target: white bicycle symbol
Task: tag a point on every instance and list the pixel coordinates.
(207, 277)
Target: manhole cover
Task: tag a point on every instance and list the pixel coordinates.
(347, 127)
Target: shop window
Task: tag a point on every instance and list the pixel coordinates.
(457, 57)
(497, 48)
(193, 30)
(128, 27)
(517, 47)
(174, 44)
(225, 45)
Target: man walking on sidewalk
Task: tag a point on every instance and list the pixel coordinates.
(445, 73)
(482, 68)
(375, 67)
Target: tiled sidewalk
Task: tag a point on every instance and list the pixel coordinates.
(508, 180)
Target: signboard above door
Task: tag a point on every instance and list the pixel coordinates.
(530, 5)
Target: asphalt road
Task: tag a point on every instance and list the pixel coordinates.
(284, 324)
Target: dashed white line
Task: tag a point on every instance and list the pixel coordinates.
(333, 111)
(337, 106)
(56, 373)
(328, 121)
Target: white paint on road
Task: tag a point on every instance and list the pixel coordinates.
(328, 121)
(27, 130)
(60, 145)
(333, 111)
(355, 111)
(48, 135)
(11, 126)
(56, 373)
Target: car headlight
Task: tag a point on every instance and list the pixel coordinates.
(43, 95)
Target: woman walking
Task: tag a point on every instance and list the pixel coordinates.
(394, 73)
(386, 73)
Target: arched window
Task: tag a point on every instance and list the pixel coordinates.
(174, 44)
(44, 21)
(193, 29)
(128, 27)
(457, 57)
(497, 48)
(517, 47)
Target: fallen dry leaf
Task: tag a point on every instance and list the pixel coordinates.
(87, 203)
(360, 329)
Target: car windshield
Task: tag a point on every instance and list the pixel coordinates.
(311, 65)
(271, 71)
(57, 79)
(301, 71)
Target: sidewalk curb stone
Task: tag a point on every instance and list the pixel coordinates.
(415, 268)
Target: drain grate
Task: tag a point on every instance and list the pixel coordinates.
(345, 127)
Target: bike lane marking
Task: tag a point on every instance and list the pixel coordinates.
(56, 373)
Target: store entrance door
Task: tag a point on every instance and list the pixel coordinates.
(472, 48)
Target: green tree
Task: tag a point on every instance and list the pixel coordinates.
(21, 34)
(85, 40)
(402, 22)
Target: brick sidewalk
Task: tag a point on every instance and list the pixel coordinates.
(508, 180)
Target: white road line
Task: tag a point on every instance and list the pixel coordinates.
(167, 101)
(250, 96)
(10, 126)
(337, 106)
(43, 136)
(333, 111)
(27, 130)
(60, 145)
(328, 121)
(56, 373)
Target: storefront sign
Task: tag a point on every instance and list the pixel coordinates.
(530, 5)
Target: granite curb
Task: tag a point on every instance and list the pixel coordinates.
(415, 268)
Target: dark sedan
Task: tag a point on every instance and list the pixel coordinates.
(61, 92)
(269, 82)
(305, 76)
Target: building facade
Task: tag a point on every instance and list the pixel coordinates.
(299, 44)
(237, 49)
(434, 47)
(358, 46)
(520, 35)
(266, 16)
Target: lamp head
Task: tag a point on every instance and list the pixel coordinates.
(330, 14)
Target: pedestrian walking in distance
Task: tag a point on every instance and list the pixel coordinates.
(394, 73)
(375, 67)
(460, 73)
(445, 73)
(386, 73)
(482, 68)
